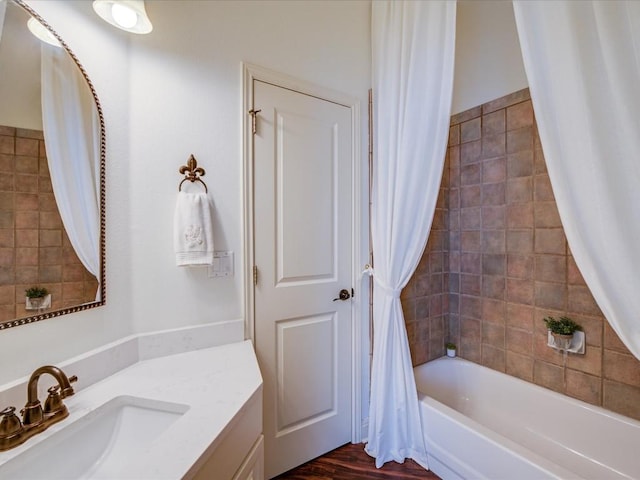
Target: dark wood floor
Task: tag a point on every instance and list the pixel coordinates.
(351, 462)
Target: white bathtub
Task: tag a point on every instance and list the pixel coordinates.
(482, 424)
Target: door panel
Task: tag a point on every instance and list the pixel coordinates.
(303, 245)
(301, 402)
(305, 187)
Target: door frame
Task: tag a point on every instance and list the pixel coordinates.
(250, 73)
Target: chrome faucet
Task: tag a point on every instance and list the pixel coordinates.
(36, 419)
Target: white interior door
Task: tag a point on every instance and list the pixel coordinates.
(303, 250)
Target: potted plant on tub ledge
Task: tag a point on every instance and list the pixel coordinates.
(451, 349)
(37, 298)
(562, 331)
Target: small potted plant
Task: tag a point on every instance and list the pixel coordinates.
(451, 349)
(36, 296)
(562, 331)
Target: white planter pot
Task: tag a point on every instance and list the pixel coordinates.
(451, 352)
(562, 342)
(38, 303)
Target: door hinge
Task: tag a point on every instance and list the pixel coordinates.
(253, 114)
(255, 275)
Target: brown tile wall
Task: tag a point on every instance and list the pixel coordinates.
(509, 265)
(425, 299)
(34, 247)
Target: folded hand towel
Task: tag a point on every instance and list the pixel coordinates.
(193, 230)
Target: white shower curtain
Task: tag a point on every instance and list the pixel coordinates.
(413, 57)
(3, 11)
(582, 60)
(72, 139)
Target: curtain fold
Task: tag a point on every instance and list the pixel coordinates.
(582, 61)
(413, 57)
(72, 139)
(3, 11)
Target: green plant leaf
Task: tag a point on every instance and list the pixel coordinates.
(562, 326)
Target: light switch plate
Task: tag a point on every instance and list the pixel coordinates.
(222, 265)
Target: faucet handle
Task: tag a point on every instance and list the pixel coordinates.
(68, 391)
(9, 422)
(53, 403)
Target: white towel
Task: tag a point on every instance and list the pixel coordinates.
(193, 230)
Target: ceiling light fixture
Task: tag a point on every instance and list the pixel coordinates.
(42, 33)
(128, 15)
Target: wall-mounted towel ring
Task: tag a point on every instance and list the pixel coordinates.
(192, 172)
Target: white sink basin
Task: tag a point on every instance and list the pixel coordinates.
(97, 445)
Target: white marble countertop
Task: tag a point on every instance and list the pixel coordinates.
(215, 383)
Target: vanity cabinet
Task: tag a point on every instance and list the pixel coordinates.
(238, 453)
(253, 466)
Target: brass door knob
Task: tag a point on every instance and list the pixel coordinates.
(343, 295)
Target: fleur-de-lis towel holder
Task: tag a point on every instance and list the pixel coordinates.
(192, 172)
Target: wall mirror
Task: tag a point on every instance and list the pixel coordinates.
(52, 174)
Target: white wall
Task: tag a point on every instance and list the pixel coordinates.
(186, 95)
(187, 98)
(488, 59)
(166, 95)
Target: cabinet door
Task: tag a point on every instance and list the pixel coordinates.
(253, 466)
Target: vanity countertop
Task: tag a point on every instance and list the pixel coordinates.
(215, 383)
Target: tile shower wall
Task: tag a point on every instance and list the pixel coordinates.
(507, 265)
(425, 299)
(34, 247)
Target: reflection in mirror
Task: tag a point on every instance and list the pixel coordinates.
(52, 170)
